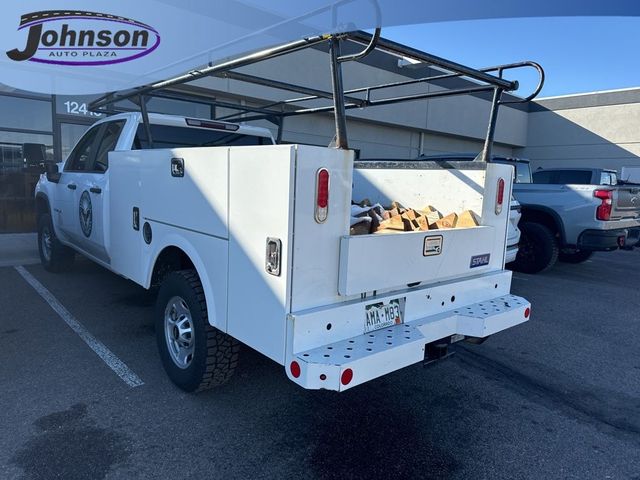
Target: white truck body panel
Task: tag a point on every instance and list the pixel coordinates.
(317, 246)
(261, 205)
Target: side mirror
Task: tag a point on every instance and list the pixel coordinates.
(51, 171)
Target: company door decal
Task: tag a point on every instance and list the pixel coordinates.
(86, 214)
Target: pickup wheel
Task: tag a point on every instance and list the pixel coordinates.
(575, 256)
(54, 256)
(195, 355)
(538, 249)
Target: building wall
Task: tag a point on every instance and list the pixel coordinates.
(592, 130)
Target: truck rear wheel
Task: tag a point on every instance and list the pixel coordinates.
(575, 256)
(195, 355)
(538, 249)
(54, 256)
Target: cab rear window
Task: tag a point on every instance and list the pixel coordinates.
(168, 136)
(563, 177)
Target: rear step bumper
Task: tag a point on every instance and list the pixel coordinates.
(347, 363)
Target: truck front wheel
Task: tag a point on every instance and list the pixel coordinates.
(195, 355)
(54, 256)
(538, 248)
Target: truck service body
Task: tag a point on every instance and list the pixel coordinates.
(249, 241)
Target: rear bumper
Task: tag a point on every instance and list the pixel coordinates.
(344, 364)
(605, 240)
(633, 239)
(512, 252)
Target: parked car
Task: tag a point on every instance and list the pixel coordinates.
(570, 221)
(513, 232)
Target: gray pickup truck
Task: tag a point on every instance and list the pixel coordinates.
(568, 214)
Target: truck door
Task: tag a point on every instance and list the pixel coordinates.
(66, 214)
(93, 193)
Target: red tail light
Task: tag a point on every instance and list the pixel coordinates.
(603, 212)
(346, 377)
(295, 369)
(322, 195)
(499, 196)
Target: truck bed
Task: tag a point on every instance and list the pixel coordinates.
(242, 198)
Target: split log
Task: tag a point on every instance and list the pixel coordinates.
(468, 218)
(446, 222)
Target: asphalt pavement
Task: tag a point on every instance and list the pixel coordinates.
(555, 398)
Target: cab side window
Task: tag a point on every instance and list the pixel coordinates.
(83, 152)
(608, 178)
(106, 144)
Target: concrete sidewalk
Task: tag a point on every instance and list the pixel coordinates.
(18, 249)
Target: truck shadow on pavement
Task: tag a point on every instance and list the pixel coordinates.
(69, 445)
(388, 428)
(369, 433)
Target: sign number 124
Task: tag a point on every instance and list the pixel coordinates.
(77, 108)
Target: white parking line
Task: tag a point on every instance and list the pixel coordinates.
(107, 356)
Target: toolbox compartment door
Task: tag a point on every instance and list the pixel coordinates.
(376, 262)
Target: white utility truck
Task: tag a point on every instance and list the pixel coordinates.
(249, 242)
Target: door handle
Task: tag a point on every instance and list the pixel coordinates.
(95, 190)
(71, 186)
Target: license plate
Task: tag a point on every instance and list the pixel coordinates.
(380, 315)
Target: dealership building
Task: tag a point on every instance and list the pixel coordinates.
(592, 129)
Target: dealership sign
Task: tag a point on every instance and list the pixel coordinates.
(69, 37)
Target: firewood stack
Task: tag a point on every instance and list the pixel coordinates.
(367, 218)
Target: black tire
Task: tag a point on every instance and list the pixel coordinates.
(214, 354)
(538, 249)
(576, 256)
(54, 256)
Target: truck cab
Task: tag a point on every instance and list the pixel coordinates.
(80, 189)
